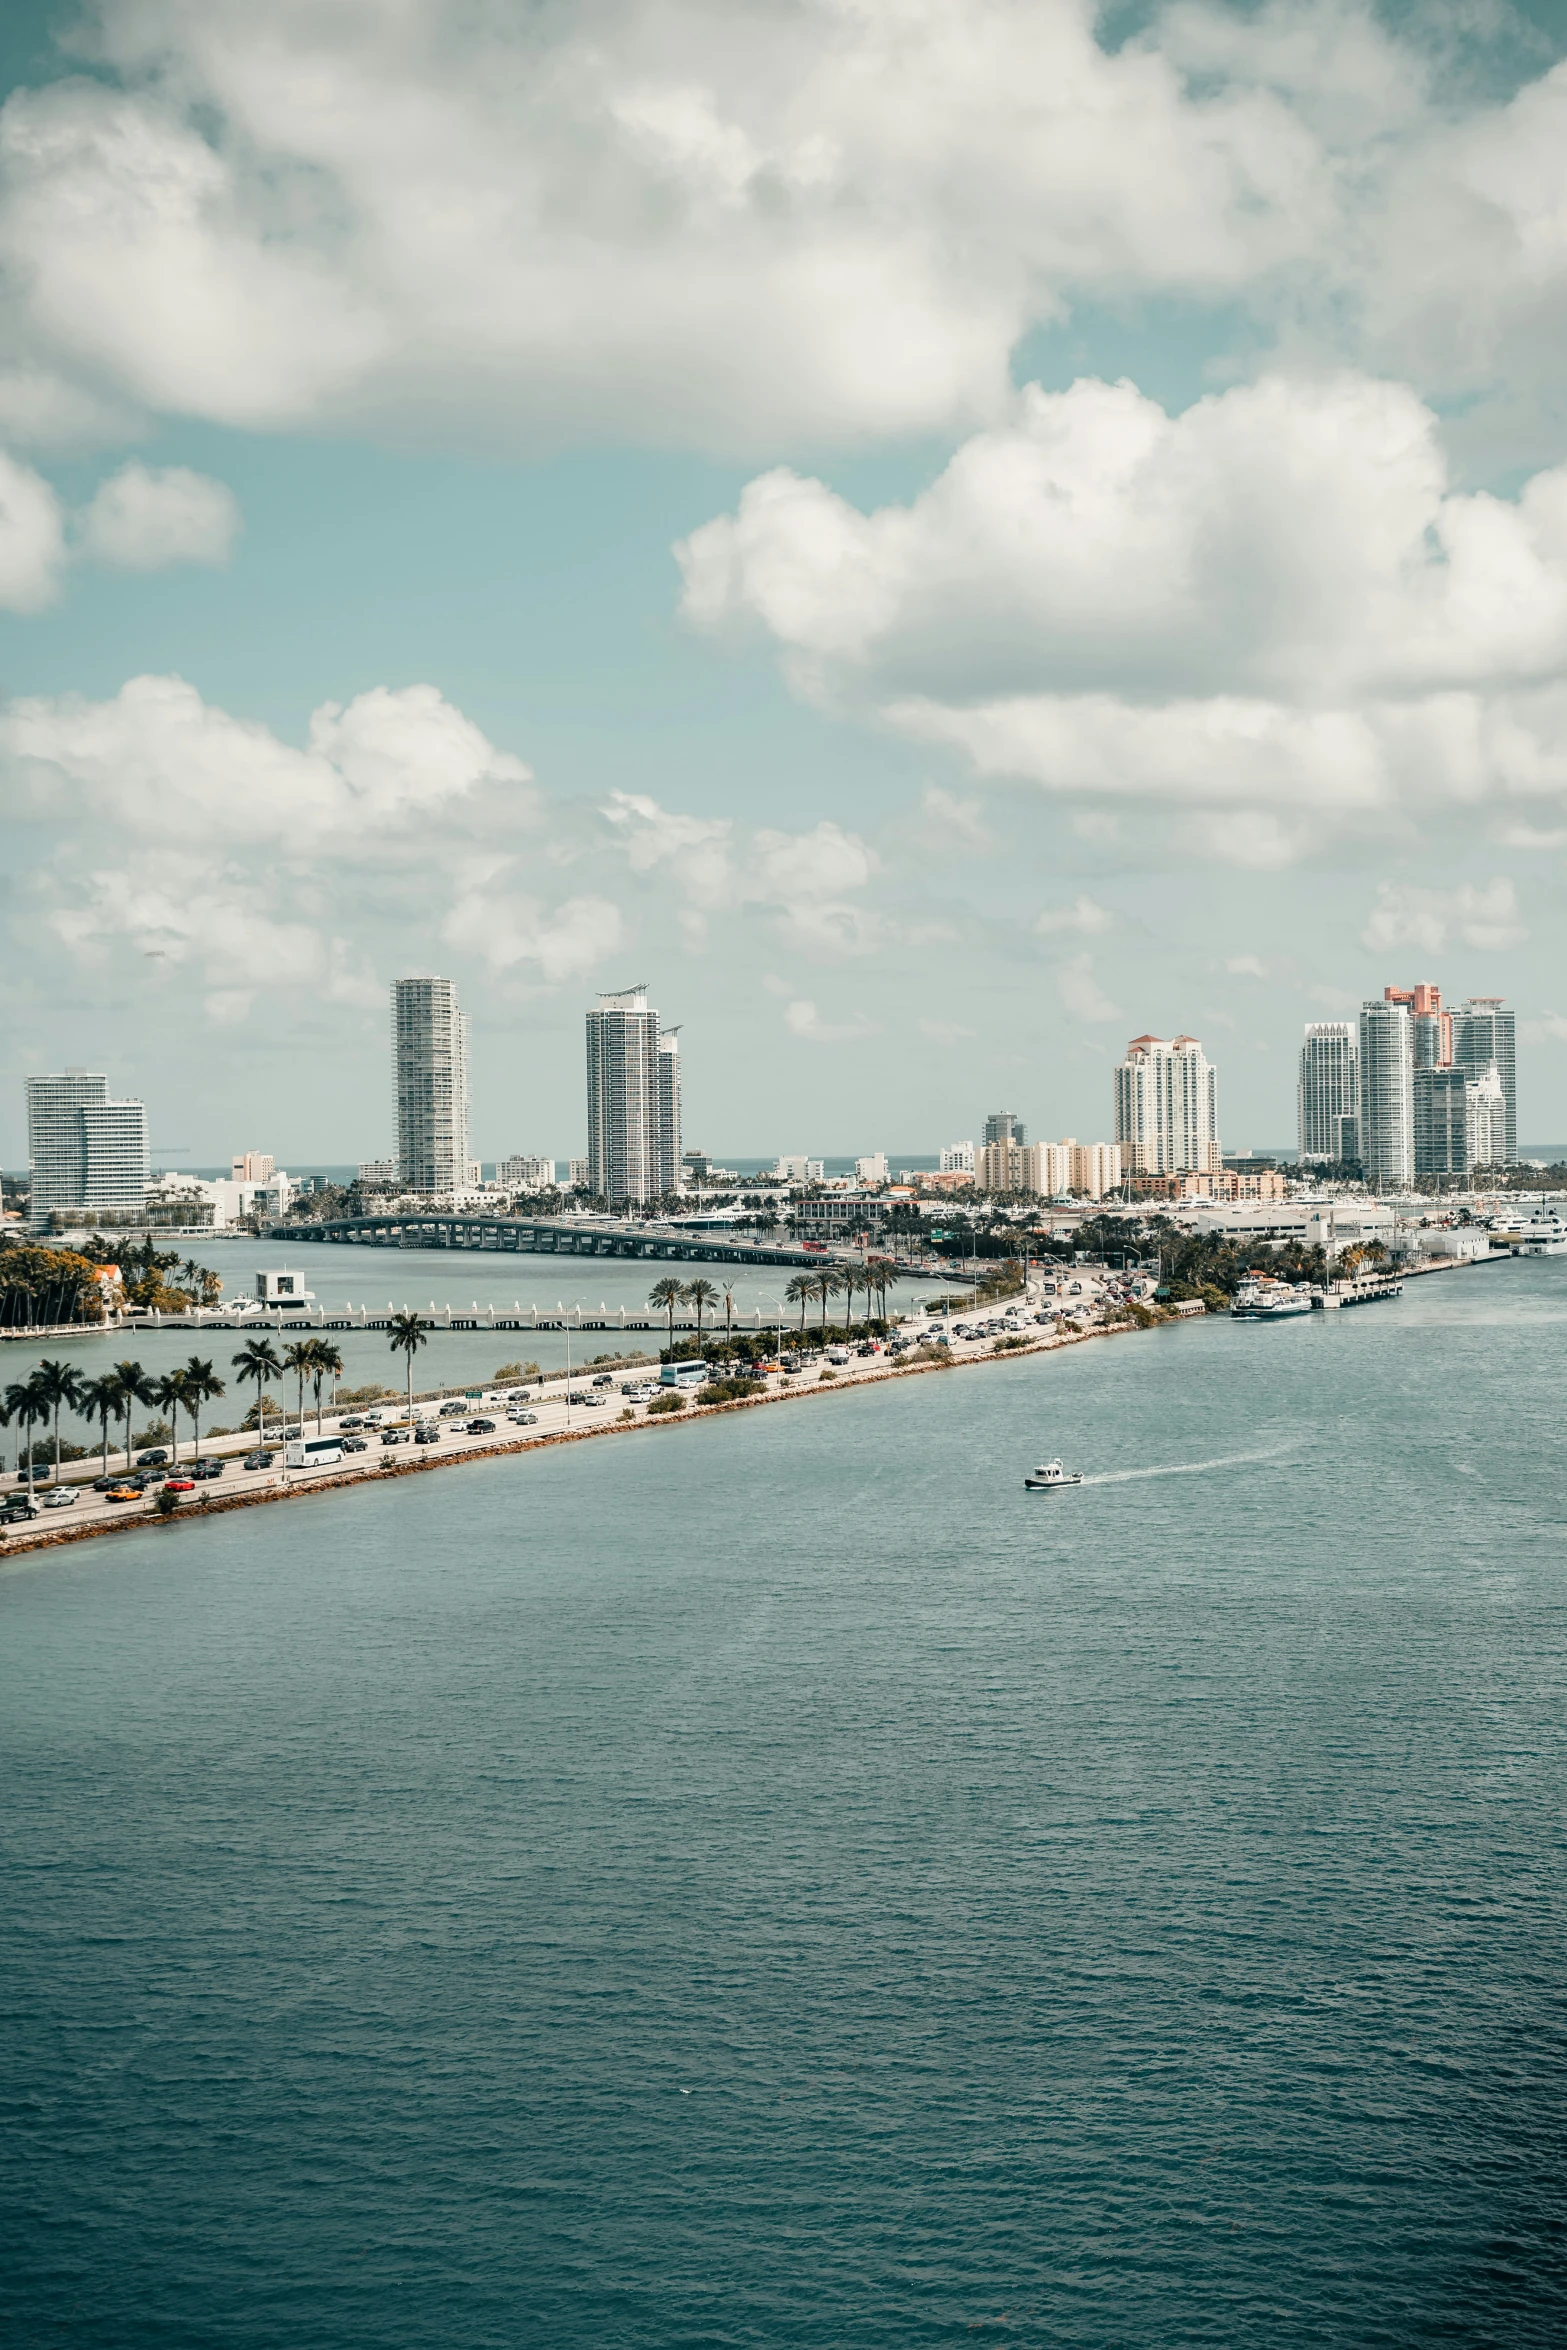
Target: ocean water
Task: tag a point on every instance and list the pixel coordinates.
(774, 1882)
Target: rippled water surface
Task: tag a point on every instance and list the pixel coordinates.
(775, 1882)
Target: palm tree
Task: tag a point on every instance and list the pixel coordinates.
(26, 1403)
(407, 1334)
(59, 1384)
(700, 1293)
(135, 1388)
(299, 1357)
(170, 1396)
(729, 1312)
(200, 1387)
(663, 1297)
(884, 1276)
(827, 1285)
(799, 1293)
(326, 1362)
(104, 1397)
(258, 1360)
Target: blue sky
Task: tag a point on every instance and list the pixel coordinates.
(363, 383)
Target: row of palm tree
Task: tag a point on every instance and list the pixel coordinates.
(40, 1399)
(314, 1359)
(845, 1280)
(665, 1295)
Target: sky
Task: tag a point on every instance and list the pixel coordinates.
(938, 535)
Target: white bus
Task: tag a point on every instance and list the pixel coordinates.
(683, 1375)
(313, 1452)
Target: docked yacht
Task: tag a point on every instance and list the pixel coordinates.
(1271, 1301)
(1050, 1477)
(1544, 1235)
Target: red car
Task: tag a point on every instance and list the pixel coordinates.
(179, 1484)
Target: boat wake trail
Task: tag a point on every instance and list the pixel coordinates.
(1229, 1460)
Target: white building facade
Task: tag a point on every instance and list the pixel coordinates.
(87, 1154)
(430, 1064)
(957, 1158)
(671, 1150)
(1484, 1037)
(1387, 1095)
(625, 1158)
(1328, 1092)
(1167, 1108)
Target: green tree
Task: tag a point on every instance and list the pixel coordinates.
(326, 1362)
(827, 1285)
(257, 1359)
(59, 1384)
(26, 1403)
(101, 1399)
(799, 1293)
(135, 1387)
(170, 1398)
(700, 1293)
(201, 1386)
(299, 1357)
(663, 1297)
(406, 1334)
(884, 1276)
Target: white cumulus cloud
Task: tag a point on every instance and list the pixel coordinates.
(32, 539)
(1486, 919)
(144, 519)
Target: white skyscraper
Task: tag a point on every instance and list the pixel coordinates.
(88, 1154)
(430, 1058)
(670, 1168)
(1387, 1095)
(625, 1157)
(1167, 1108)
(1483, 1038)
(1329, 1091)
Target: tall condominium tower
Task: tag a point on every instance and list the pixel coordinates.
(1329, 1091)
(88, 1154)
(430, 1057)
(1167, 1108)
(1483, 1037)
(670, 1164)
(1430, 1028)
(624, 1125)
(1005, 1126)
(1387, 1094)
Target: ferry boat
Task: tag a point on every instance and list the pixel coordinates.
(1050, 1477)
(1270, 1301)
(1544, 1235)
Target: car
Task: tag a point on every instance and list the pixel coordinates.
(481, 1427)
(355, 1444)
(374, 1419)
(523, 1419)
(149, 1477)
(259, 1460)
(427, 1436)
(123, 1493)
(179, 1484)
(151, 1460)
(17, 1510)
(453, 1411)
(353, 1421)
(603, 1379)
(394, 1436)
(64, 1497)
(205, 1471)
(102, 1484)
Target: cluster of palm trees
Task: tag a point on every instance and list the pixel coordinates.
(315, 1360)
(847, 1281)
(39, 1400)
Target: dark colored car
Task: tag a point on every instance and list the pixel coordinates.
(205, 1471)
(355, 1444)
(259, 1460)
(16, 1510)
(481, 1427)
(427, 1436)
(151, 1460)
(603, 1379)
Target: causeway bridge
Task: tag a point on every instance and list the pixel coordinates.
(545, 1236)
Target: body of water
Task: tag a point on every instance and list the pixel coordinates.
(775, 1882)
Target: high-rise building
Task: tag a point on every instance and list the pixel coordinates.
(1443, 1123)
(671, 1156)
(1167, 1108)
(88, 1154)
(1328, 1097)
(624, 1153)
(1000, 1165)
(872, 1169)
(1483, 1038)
(430, 1059)
(1387, 1094)
(1430, 1028)
(1005, 1126)
(1487, 1104)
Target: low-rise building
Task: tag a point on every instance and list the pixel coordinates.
(522, 1173)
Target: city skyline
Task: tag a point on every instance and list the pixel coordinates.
(743, 655)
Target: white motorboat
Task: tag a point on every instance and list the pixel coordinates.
(1270, 1301)
(1543, 1235)
(1050, 1477)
